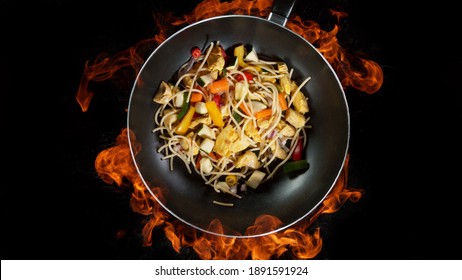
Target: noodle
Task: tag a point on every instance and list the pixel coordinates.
(244, 123)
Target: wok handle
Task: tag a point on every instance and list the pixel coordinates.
(280, 11)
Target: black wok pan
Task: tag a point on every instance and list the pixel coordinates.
(288, 197)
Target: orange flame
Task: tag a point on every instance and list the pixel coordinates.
(295, 240)
(210, 8)
(359, 73)
(362, 74)
(114, 165)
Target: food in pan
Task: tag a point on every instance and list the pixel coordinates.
(233, 117)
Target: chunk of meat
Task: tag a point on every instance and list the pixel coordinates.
(279, 152)
(252, 131)
(249, 159)
(295, 118)
(285, 129)
(163, 94)
(215, 61)
(300, 102)
(228, 142)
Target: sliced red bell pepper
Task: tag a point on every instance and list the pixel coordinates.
(217, 99)
(248, 75)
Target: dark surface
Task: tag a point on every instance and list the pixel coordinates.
(404, 147)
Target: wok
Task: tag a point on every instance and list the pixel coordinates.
(289, 197)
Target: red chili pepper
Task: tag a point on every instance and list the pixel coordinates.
(217, 98)
(196, 52)
(223, 53)
(248, 75)
(297, 155)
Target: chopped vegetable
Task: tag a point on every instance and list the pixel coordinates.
(186, 121)
(233, 65)
(240, 90)
(237, 117)
(198, 161)
(244, 109)
(247, 75)
(180, 99)
(231, 180)
(196, 97)
(265, 113)
(282, 101)
(184, 107)
(196, 52)
(207, 145)
(239, 52)
(206, 132)
(295, 165)
(214, 113)
(223, 73)
(205, 80)
(257, 106)
(297, 155)
(213, 155)
(219, 86)
(205, 165)
(255, 179)
(217, 98)
(252, 55)
(200, 108)
(223, 52)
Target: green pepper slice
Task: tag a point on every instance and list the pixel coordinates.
(295, 165)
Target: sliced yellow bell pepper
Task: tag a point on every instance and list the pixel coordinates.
(186, 121)
(239, 52)
(214, 113)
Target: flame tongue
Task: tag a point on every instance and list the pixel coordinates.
(296, 241)
(362, 74)
(211, 8)
(114, 165)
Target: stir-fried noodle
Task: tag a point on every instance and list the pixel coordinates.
(233, 119)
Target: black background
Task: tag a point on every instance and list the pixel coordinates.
(404, 147)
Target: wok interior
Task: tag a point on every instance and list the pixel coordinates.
(290, 198)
